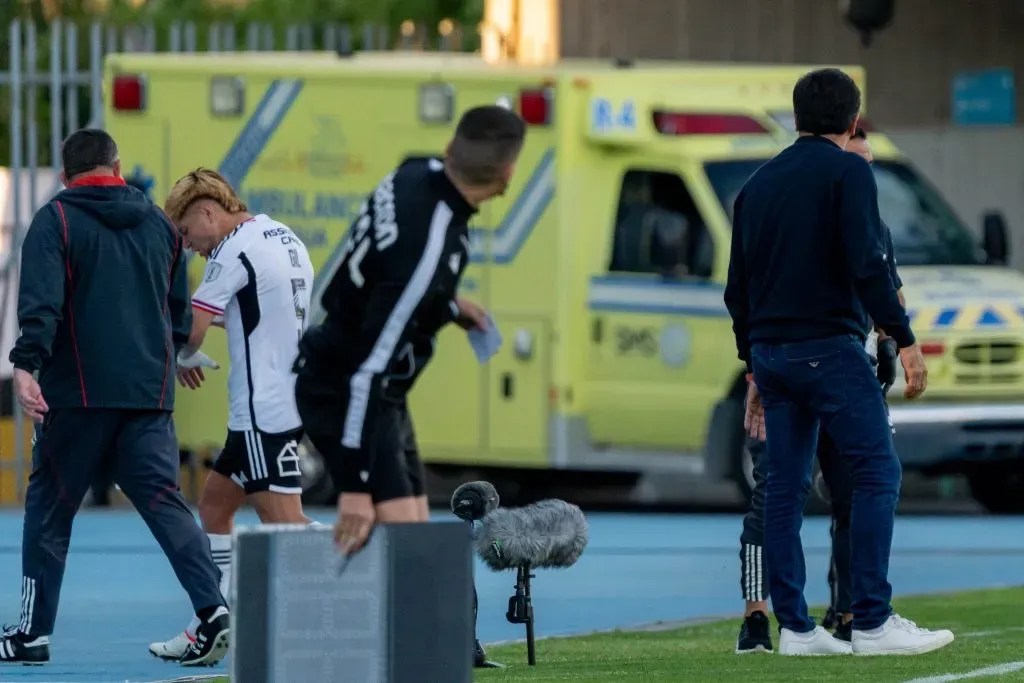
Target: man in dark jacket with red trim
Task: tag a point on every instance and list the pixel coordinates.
(103, 306)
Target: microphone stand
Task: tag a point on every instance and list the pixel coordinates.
(520, 611)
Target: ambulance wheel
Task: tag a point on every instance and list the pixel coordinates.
(999, 489)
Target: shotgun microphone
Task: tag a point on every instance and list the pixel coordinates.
(547, 534)
(474, 500)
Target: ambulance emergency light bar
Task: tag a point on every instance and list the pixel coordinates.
(703, 123)
(786, 120)
(227, 94)
(437, 104)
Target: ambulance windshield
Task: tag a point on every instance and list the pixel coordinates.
(925, 230)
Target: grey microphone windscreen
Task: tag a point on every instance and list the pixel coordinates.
(550, 533)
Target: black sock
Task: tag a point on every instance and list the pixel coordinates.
(207, 612)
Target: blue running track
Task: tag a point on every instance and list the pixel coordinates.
(120, 594)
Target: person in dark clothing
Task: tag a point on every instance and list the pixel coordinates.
(808, 271)
(103, 306)
(393, 291)
(835, 482)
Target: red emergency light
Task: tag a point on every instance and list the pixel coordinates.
(679, 123)
(535, 106)
(933, 348)
(128, 92)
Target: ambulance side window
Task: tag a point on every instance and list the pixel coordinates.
(658, 228)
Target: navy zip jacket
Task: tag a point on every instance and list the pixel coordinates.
(810, 257)
(103, 302)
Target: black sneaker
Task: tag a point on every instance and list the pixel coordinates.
(831, 620)
(211, 643)
(18, 648)
(844, 631)
(755, 635)
(480, 660)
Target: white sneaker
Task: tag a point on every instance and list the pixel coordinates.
(899, 636)
(171, 650)
(816, 643)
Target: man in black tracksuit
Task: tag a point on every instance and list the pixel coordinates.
(393, 291)
(103, 307)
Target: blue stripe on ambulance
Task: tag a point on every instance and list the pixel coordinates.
(520, 220)
(629, 295)
(264, 121)
(946, 318)
(953, 317)
(990, 318)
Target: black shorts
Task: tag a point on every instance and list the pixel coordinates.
(258, 461)
(396, 470)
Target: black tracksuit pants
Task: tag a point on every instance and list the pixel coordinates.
(141, 451)
(837, 473)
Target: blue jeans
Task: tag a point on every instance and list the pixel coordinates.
(832, 383)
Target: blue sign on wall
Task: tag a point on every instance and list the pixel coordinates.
(984, 98)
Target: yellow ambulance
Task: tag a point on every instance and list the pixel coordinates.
(603, 265)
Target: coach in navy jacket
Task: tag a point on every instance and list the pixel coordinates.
(103, 298)
(808, 272)
(103, 303)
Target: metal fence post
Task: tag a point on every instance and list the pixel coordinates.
(12, 279)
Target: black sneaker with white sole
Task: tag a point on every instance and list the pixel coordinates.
(18, 648)
(212, 639)
(755, 634)
(844, 631)
(831, 620)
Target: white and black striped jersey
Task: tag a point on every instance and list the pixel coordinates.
(393, 290)
(260, 279)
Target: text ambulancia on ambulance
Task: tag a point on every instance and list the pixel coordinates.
(604, 261)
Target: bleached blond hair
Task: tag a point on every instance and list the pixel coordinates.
(202, 183)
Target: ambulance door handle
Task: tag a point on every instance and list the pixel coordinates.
(506, 386)
(597, 330)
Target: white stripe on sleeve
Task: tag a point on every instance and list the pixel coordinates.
(396, 323)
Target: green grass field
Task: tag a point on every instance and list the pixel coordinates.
(987, 625)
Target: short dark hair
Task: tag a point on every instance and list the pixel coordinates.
(825, 102)
(87, 149)
(860, 134)
(487, 139)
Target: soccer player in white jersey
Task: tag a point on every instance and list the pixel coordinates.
(257, 286)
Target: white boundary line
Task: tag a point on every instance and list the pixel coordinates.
(996, 632)
(997, 670)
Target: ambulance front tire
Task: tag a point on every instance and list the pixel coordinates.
(998, 487)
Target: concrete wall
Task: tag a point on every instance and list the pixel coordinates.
(910, 65)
